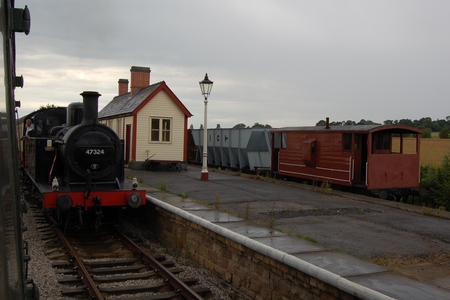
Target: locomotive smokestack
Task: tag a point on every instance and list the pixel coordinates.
(327, 123)
(90, 107)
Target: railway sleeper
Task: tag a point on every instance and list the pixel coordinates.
(76, 280)
(55, 255)
(94, 253)
(118, 270)
(105, 279)
(115, 262)
(73, 280)
(62, 264)
(114, 269)
(110, 263)
(52, 243)
(201, 291)
(49, 237)
(106, 242)
(95, 265)
(152, 287)
(70, 271)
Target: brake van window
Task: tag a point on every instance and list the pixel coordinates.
(346, 141)
(382, 142)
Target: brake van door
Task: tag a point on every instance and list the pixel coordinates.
(357, 158)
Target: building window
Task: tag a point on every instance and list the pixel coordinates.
(160, 129)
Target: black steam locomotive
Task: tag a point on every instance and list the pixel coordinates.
(76, 165)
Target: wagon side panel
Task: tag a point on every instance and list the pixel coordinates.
(387, 171)
(325, 160)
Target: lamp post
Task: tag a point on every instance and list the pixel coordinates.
(205, 87)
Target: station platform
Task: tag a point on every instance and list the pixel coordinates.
(334, 231)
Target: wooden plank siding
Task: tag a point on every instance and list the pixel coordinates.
(161, 106)
(330, 163)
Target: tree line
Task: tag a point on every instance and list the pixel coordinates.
(256, 125)
(427, 125)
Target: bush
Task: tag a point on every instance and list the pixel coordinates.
(444, 133)
(436, 180)
(426, 133)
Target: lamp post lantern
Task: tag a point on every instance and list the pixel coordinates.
(205, 87)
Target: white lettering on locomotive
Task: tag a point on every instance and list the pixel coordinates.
(95, 151)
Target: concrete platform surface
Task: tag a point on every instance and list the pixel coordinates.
(339, 232)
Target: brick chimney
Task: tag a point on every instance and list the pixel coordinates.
(140, 77)
(123, 86)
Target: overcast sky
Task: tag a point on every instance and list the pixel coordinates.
(283, 63)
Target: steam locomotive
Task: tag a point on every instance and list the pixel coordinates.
(76, 165)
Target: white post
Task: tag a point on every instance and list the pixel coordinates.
(205, 173)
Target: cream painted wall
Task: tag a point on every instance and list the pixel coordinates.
(161, 106)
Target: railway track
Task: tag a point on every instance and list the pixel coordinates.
(108, 264)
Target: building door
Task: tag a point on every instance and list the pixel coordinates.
(127, 143)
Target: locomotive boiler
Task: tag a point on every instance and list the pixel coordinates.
(77, 168)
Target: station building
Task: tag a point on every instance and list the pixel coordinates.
(150, 119)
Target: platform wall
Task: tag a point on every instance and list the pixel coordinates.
(252, 273)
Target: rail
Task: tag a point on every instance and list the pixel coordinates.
(179, 285)
(174, 281)
(91, 287)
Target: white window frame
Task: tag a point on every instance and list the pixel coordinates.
(160, 130)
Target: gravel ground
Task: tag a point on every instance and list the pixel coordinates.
(40, 267)
(41, 271)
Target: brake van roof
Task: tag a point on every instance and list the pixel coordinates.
(353, 128)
